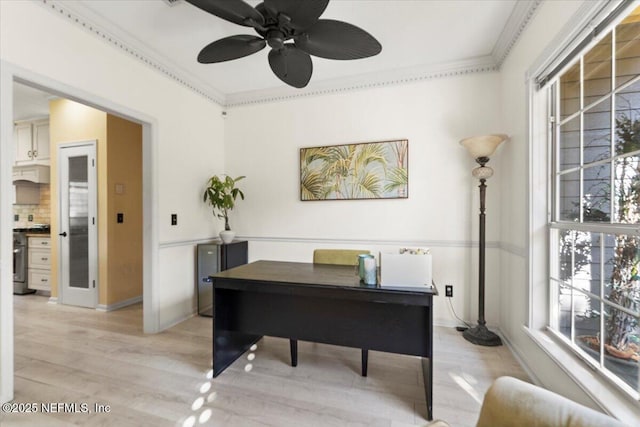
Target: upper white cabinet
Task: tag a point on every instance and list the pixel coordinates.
(22, 138)
(32, 142)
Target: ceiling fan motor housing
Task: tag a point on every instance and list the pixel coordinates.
(275, 39)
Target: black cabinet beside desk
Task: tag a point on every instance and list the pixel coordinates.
(320, 303)
(213, 258)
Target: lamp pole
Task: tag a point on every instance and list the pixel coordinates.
(480, 148)
(480, 335)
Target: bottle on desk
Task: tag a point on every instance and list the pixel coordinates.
(370, 271)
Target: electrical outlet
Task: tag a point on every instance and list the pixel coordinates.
(448, 291)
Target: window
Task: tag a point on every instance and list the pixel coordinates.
(595, 210)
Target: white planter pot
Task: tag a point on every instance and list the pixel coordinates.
(227, 236)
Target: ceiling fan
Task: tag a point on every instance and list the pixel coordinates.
(292, 29)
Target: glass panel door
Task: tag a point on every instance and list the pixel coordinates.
(78, 200)
(78, 229)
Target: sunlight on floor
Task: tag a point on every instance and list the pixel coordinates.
(249, 366)
(467, 382)
(198, 403)
(204, 388)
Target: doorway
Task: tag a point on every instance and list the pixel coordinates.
(78, 242)
(10, 74)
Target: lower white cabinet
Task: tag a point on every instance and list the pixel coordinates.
(39, 264)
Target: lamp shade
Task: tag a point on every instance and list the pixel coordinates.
(483, 146)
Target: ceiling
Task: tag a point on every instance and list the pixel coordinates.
(29, 103)
(420, 39)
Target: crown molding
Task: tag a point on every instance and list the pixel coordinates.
(81, 16)
(520, 17)
(365, 81)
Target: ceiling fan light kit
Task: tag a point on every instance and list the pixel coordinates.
(292, 29)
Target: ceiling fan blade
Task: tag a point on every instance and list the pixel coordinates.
(229, 48)
(236, 11)
(337, 40)
(291, 65)
(303, 13)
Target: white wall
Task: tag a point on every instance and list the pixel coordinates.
(185, 137)
(547, 23)
(263, 142)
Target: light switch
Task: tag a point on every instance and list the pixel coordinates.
(174, 219)
(120, 218)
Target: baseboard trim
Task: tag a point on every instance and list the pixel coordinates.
(118, 305)
(177, 321)
(518, 356)
(446, 323)
(53, 300)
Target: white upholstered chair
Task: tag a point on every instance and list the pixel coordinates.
(510, 402)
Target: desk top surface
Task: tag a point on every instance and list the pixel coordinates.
(309, 274)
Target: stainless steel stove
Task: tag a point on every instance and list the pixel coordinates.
(20, 257)
(20, 281)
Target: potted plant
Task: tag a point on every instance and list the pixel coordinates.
(221, 194)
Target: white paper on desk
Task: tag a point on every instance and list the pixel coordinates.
(409, 269)
(414, 251)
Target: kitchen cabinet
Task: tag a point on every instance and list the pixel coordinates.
(39, 174)
(32, 142)
(39, 262)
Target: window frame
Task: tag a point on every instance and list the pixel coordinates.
(553, 223)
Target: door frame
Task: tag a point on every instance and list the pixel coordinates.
(9, 73)
(93, 211)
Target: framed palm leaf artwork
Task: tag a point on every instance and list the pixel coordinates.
(371, 170)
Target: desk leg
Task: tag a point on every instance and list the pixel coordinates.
(293, 346)
(365, 361)
(427, 375)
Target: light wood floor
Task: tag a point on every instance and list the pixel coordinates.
(73, 355)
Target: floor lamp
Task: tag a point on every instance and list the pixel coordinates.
(480, 148)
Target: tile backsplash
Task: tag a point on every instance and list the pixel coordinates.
(39, 214)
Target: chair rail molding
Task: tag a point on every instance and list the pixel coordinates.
(381, 242)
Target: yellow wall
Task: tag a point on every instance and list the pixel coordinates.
(73, 122)
(124, 195)
(119, 248)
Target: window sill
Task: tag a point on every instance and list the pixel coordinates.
(611, 400)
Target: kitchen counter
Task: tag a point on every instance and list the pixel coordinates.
(37, 230)
(38, 234)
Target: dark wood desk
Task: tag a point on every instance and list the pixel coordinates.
(319, 303)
